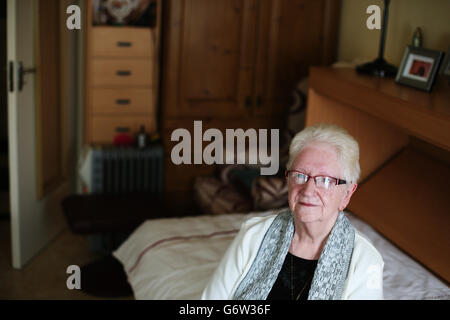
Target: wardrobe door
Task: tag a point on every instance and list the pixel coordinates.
(293, 35)
(209, 56)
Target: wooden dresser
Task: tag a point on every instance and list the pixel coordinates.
(121, 79)
(404, 139)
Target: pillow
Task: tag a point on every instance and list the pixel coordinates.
(269, 192)
(240, 176)
(215, 197)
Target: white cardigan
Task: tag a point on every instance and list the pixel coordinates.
(364, 279)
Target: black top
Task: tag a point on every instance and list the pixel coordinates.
(295, 277)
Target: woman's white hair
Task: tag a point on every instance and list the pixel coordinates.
(346, 147)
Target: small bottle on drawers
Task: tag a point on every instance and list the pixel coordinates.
(142, 138)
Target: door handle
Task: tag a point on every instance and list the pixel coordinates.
(259, 101)
(21, 72)
(11, 76)
(248, 101)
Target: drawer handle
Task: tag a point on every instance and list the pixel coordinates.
(123, 73)
(248, 101)
(122, 129)
(123, 44)
(123, 101)
(259, 101)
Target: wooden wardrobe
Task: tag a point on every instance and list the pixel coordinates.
(235, 63)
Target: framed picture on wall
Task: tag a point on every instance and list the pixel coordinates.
(124, 12)
(419, 67)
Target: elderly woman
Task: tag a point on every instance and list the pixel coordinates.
(310, 251)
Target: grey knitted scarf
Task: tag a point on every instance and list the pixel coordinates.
(331, 271)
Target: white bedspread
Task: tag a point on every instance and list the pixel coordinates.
(175, 258)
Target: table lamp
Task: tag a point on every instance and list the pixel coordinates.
(379, 67)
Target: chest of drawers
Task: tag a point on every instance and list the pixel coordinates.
(121, 81)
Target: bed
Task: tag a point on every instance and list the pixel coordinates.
(174, 258)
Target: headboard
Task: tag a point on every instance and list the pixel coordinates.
(403, 192)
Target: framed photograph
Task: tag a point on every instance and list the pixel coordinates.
(124, 12)
(419, 68)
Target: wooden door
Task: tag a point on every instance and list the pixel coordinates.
(209, 57)
(292, 36)
(51, 135)
(36, 216)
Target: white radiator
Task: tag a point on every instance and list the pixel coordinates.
(122, 169)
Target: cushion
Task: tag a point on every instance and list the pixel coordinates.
(215, 197)
(295, 120)
(269, 192)
(240, 176)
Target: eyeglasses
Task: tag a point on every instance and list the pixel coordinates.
(323, 182)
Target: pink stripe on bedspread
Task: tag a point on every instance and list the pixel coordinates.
(147, 249)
